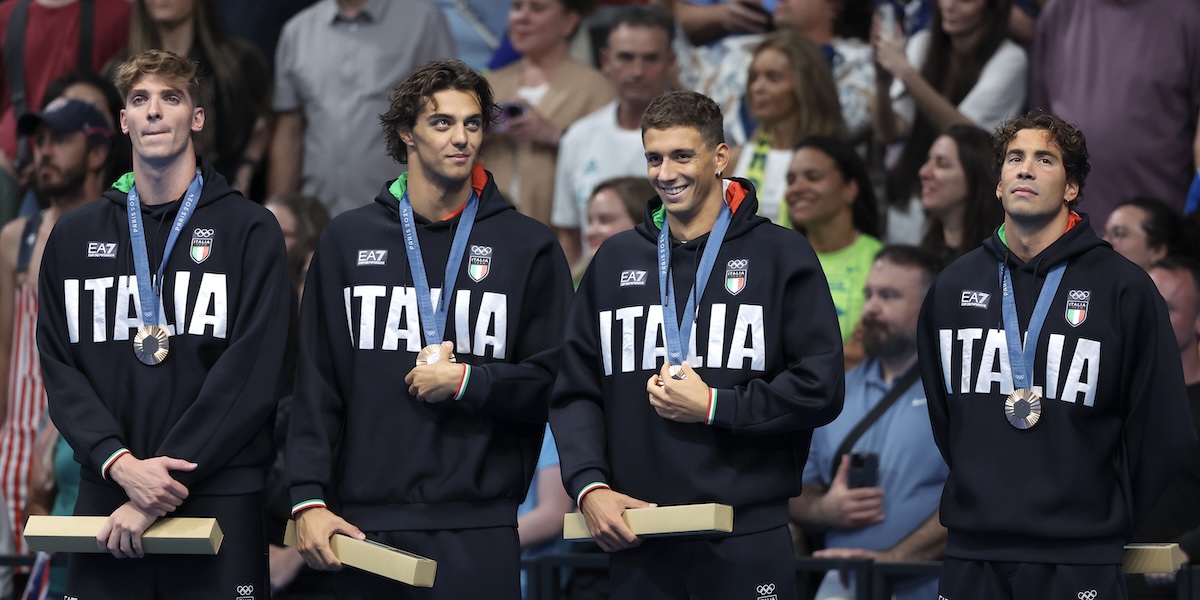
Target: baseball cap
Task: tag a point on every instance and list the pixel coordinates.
(66, 115)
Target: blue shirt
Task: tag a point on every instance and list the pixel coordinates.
(911, 470)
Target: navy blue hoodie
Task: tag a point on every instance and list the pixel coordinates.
(1115, 423)
(226, 298)
(359, 443)
(768, 342)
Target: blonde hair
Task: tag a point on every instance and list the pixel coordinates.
(812, 84)
(160, 63)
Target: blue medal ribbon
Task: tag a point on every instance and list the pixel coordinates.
(433, 320)
(1020, 358)
(149, 291)
(678, 333)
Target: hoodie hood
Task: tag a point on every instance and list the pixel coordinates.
(490, 201)
(215, 188)
(1078, 239)
(739, 195)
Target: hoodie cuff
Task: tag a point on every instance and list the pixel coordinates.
(111, 460)
(474, 386)
(309, 495)
(307, 504)
(722, 407)
(587, 481)
(104, 454)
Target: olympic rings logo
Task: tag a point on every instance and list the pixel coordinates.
(738, 263)
(204, 233)
(481, 250)
(1079, 295)
(1086, 595)
(245, 590)
(766, 588)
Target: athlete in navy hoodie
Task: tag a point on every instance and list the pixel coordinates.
(1055, 388)
(388, 435)
(725, 418)
(162, 326)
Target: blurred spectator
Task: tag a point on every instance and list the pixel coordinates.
(336, 63)
(237, 81)
(477, 27)
(608, 143)
(100, 92)
(617, 205)
(1175, 518)
(892, 517)
(963, 69)
(791, 94)
(49, 44)
(839, 27)
(958, 192)
(1145, 230)
(830, 199)
(540, 95)
(259, 22)
(707, 21)
(540, 516)
(71, 143)
(302, 218)
(1103, 63)
(53, 488)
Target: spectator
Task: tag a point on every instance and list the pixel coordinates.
(791, 94)
(540, 516)
(1084, 72)
(1175, 518)
(100, 92)
(477, 27)
(335, 65)
(259, 22)
(608, 143)
(52, 32)
(963, 69)
(830, 199)
(302, 218)
(540, 95)
(236, 132)
(53, 488)
(958, 192)
(71, 145)
(617, 205)
(707, 21)
(894, 518)
(1145, 230)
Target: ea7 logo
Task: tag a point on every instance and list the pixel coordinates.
(975, 299)
(372, 258)
(631, 277)
(102, 250)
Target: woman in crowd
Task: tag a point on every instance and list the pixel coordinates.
(237, 80)
(791, 94)
(539, 95)
(958, 192)
(1146, 230)
(830, 198)
(616, 205)
(962, 69)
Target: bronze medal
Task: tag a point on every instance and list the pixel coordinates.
(676, 372)
(1023, 408)
(429, 354)
(151, 344)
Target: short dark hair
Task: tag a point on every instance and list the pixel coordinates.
(410, 96)
(1181, 264)
(633, 191)
(852, 168)
(641, 15)
(1162, 225)
(917, 257)
(1069, 139)
(686, 109)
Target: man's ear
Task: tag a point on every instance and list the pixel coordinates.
(405, 134)
(198, 119)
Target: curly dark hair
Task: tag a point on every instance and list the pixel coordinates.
(1066, 136)
(686, 109)
(412, 93)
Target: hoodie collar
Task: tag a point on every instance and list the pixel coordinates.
(478, 180)
(1076, 240)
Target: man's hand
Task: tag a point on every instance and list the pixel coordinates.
(314, 527)
(680, 400)
(602, 509)
(436, 382)
(122, 532)
(284, 565)
(844, 507)
(745, 16)
(149, 484)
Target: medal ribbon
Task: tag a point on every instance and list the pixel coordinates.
(148, 291)
(1020, 358)
(676, 332)
(433, 320)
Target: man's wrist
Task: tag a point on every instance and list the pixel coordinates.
(111, 470)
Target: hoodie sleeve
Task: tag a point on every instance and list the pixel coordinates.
(1158, 433)
(75, 407)
(314, 433)
(240, 391)
(929, 359)
(576, 407)
(520, 390)
(809, 391)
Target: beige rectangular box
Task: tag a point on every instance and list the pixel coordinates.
(170, 535)
(684, 519)
(1152, 558)
(380, 559)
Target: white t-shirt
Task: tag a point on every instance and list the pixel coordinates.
(593, 150)
(774, 184)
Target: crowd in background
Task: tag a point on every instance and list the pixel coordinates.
(860, 123)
